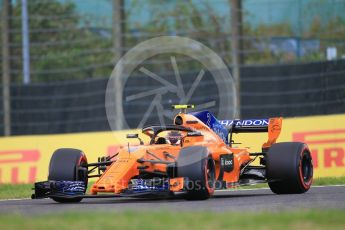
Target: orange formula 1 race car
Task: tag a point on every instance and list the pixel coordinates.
(194, 156)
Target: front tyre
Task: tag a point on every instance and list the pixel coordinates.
(68, 165)
(289, 168)
(196, 164)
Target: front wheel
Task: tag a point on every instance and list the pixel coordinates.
(289, 168)
(68, 165)
(196, 164)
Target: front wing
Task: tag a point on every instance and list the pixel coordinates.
(77, 189)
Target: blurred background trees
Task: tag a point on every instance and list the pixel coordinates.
(69, 43)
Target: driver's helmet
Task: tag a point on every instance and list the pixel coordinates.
(174, 137)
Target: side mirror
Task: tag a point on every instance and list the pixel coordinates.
(133, 135)
(194, 134)
(136, 136)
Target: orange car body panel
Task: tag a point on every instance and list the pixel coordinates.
(274, 129)
(118, 175)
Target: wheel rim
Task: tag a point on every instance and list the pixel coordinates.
(306, 168)
(82, 165)
(210, 174)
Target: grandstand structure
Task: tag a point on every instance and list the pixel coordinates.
(289, 56)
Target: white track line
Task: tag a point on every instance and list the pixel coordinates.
(323, 186)
(15, 199)
(253, 189)
(217, 191)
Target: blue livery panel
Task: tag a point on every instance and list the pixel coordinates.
(221, 127)
(246, 123)
(207, 118)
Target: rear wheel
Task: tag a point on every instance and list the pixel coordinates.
(289, 168)
(196, 164)
(68, 165)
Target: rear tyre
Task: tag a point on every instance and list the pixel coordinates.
(68, 165)
(289, 168)
(196, 164)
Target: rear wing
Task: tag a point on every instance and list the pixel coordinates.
(272, 125)
(225, 128)
(246, 126)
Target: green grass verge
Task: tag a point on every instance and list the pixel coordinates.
(8, 191)
(12, 191)
(306, 220)
(317, 181)
(329, 181)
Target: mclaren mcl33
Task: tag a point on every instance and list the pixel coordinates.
(192, 157)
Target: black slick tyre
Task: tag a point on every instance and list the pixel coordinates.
(289, 168)
(196, 164)
(68, 165)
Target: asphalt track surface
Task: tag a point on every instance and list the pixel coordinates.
(253, 200)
